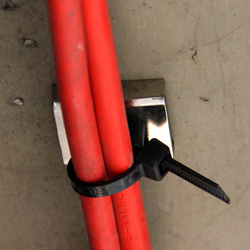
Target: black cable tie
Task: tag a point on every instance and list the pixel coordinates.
(153, 162)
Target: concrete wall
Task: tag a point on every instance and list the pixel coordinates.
(202, 49)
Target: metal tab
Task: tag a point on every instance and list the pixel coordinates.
(144, 100)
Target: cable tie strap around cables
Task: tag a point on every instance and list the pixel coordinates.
(153, 162)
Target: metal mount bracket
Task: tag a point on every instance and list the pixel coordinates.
(150, 135)
(144, 100)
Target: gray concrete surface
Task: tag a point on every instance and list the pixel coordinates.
(202, 50)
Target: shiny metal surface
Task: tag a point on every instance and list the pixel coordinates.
(60, 127)
(144, 100)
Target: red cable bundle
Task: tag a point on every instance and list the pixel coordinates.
(67, 18)
(79, 118)
(112, 123)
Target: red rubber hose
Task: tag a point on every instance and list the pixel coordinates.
(79, 118)
(112, 122)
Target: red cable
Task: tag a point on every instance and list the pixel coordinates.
(79, 118)
(112, 122)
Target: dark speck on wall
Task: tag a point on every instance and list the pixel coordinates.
(9, 6)
(204, 99)
(29, 43)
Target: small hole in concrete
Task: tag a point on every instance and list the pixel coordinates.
(204, 99)
(9, 6)
(18, 101)
(29, 43)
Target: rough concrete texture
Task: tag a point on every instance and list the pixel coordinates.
(202, 50)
